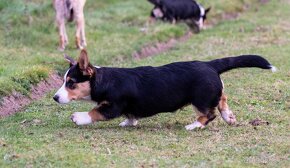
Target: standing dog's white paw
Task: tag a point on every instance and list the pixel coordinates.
(81, 118)
(128, 123)
(194, 125)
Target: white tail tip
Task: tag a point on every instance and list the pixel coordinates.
(273, 68)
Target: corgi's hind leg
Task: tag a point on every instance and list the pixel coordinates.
(227, 115)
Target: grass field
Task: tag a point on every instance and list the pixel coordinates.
(42, 135)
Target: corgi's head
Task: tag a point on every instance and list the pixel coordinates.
(76, 81)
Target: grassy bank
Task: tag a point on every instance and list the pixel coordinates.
(43, 135)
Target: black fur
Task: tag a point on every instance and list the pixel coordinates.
(145, 91)
(178, 10)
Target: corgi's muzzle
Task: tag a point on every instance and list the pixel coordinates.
(61, 96)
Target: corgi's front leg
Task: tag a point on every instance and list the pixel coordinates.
(85, 118)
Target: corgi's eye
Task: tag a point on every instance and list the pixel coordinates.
(71, 84)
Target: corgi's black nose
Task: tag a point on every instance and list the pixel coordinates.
(56, 97)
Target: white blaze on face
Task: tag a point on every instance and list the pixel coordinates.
(158, 13)
(62, 93)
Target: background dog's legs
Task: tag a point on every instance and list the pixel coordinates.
(129, 122)
(61, 27)
(78, 32)
(65, 36)
(78, 7)
(225, 112)
(202, 120)
(83, 34)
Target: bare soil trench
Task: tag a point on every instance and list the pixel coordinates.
(16, 101)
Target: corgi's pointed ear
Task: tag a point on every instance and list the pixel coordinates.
(84, 64)
(83, 60)
(207, 10)
(70, 60)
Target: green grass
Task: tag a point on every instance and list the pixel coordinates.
(42, 135)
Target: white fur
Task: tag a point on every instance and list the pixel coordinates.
(97, 67)
(228, 117)
(202, 10)
(62, 93)
(223, 84)
(129, 122)
(81, 118)
(194, 125)
(200, 23)
(157, 13)
(202, 13)
(273, 68)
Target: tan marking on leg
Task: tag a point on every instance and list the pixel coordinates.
(225, 112)
(96, 115)
(199, 123)
(202, 119)
(61, 43)
(206, 118)
(223, 105)
(61, 35)
(78, 42)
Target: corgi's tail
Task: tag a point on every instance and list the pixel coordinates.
(243, 61)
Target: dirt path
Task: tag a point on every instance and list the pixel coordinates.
(160, 47)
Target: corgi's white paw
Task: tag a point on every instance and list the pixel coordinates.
(81, 118)
(194, 125)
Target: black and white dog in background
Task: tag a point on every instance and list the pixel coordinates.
(179, 10)
(145, 91)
